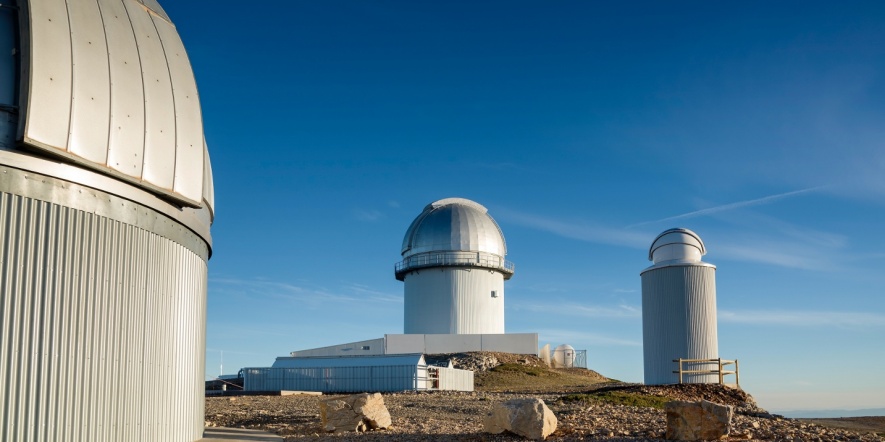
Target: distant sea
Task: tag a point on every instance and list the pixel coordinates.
(831, 413)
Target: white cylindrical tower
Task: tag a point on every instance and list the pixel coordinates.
(678, 308)
(106, 203)
(454, 270)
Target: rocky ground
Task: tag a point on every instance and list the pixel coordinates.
(595, 410)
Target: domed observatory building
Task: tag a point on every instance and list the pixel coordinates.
(106, 202)
(678, 309)
(454, 270)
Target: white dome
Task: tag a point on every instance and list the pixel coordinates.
(564, 356)
(454, 224)
(677, 244)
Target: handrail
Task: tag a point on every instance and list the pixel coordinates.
(719, 362)
(451, 258)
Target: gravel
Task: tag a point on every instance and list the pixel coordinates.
(457, 416)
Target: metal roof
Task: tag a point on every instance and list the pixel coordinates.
(677, 236)
(350, 361)
(454, 224)
(108, 86)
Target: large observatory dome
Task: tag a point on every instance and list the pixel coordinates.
(454, 224)
(454, 270)
(106, 205)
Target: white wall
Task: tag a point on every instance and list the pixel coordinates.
(518, 343)
(454, 300)
(375, 347)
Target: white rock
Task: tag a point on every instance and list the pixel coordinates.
(694, 421)
(355, 413)
(526, 417)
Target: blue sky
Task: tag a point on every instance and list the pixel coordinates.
(586, 128)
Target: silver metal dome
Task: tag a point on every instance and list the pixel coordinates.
(676, 244)
(454, 231)
(454, 224)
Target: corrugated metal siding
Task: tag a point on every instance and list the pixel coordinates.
(337, 379)
(102, 328)
(453, 379)
(678, 321)
(111, 87)
(453, 300)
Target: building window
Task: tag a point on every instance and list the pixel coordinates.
(494, 293)
(365, 347)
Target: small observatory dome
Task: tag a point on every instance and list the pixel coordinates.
(564, 356)
(454, 270)
(677, 245)
(678, 308)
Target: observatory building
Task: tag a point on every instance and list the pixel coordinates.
(106, 202)
(678, 308)
(453, 269)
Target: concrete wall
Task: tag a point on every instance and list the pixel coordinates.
(518, 343)
(375, 347)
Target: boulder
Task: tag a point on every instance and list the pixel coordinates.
(359, 412)
(526, 417)
(695, 421)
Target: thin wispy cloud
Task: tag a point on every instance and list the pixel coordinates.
(576, 230)
(581, 310)
(802, 318)
(579, 338)
(368, 215)
(301, 294)
(779, 254)
(732, 206)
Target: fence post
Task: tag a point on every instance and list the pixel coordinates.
(737, 379)
(680, 370)
(719, 361)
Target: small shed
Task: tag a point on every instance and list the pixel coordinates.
(354, 374)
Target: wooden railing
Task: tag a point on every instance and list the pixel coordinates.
(721, 363)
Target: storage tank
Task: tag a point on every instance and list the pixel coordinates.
(106, 201)
(453, 270)
(678, 308)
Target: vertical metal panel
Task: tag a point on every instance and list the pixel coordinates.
(159, 154)
(453, 300)
(91, 95)
(102, 328)
(336, 379)
(188, 118)
(126, 140)
(49, 93)
(453, 379)
(678, 321)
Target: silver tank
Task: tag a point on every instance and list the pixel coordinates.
(106, 202)
(678, 309)
(453, 270)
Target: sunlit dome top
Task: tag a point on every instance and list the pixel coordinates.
(677, 244)
(454, 224)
